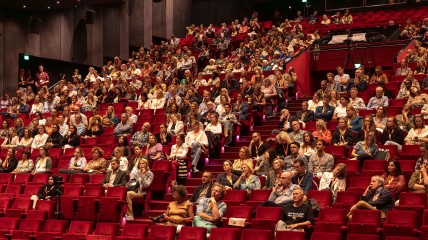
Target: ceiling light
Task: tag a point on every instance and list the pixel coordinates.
(24, 6)
(49, 7)
(57, 2)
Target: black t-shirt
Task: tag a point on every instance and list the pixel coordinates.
(293, 215)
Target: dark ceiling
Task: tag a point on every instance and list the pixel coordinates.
(45, 5)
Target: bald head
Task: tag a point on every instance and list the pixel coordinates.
(285, 179)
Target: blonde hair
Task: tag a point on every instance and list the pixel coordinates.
(283, 136)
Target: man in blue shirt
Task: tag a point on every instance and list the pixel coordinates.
(325, 112)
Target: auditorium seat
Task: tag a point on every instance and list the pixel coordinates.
(288, 235)
(7, 225)
(257, 197)
(346, 199)
(238, 212)
(192, 233)
(400, 223)
(323, 198)
(373, 167)
(235, 197)
(22, 178)
(78, 230)
(27, 228)
(325, 236)
(86, 208)
(104, 229)
(255, 234)
(19, 207)
(331, 220)
(133, 232)
(266, 217)
(52, 230)
(364, 222)
(164, 232)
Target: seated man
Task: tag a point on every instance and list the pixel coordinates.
(376, 197)
(210, 210)
(297, 134)
(419, 179)
(302, 177)
(115, 177)
(305, 115)
(321, 161)
(378, 100)
(141, 138)
(282, 193)
(257, 146)
(124, 128)
(324, 90)
(325, 112)
(294, 155)
(204, 190)
(296, 216)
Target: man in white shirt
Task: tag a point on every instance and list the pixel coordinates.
(342, 78)
(63, 127)
(76, 111)
(132, 117)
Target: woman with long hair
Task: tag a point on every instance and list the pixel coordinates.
(43, 162)
(154, 150)
(343, 135)
(282, 147)
(334, 181)
(213, 131)
(227, 178)
(9, 163)
(354, 121)
(123, 161)
(308, 146)
(419, 133)
(366, 149)
(97, 163)
(244, 157)
(380, 118)
(247, 181)
(395, 181)
(178, 154)
(368, 126)
(77, 162)
(111, 115)
(264, 163)
(273, 176)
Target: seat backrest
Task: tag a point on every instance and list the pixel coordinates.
(333, 215)
(375, 165)
(192, 233)
(239, 212)
(97, 178)
(22, 203)
(366, 216)
(224, 234)
(81, 227)
(5, 203)
(79, 178)
(413, 199)
(235, 195)
(30, 225)
(363, 236)
(14, 188)
(402, 218)
(285, 235)
(134, 230)
(268, 212)
(348, 197)
(41, 178)
(110, 229)
(6, 178)
(323, 197)
(57, 226)
(165, 232)
(324, 236)
(361, 182)
(9, 223)
(260, 195)
(94, 191)
(119, 192)
(162, 165)
(73, 191)
(22, 178)
(255, 234)
(32, 189)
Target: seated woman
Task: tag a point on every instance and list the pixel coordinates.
(175, 126)
(259, 103)
(314, 103)
(140, 179)
(354, 121)
(163, 136)
(376, 197)
(366, 149)
(417, 99)
(12, 140)
(43, 162)
(213, 131)
(394, 179)
(368, 126)
(179, 211)
(380, 118)
(178, 154)
(26, 140)
(419, 133)
(40, 139)
(273, 176)
(197, 140)
(154, 150)
(77, 163)
(378, 76)
(282, 147)
(334, 181)
(392, 134)
(343, 135)
(247, 181)
(244, 157)
(122, 143)
(55, 140)
(227, 178)
(72, 139)
(263, 164)
(25, 165)
(123, 161)
(308, 147)
(97, 163)
(322, 133)
(9, 163)
(47, 191)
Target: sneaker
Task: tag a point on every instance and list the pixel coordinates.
(195, 170)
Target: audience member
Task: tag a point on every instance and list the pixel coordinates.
(321, 161)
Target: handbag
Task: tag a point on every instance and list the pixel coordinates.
(133, 185)
(382, 154)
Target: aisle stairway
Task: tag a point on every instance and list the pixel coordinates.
(215, 166)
